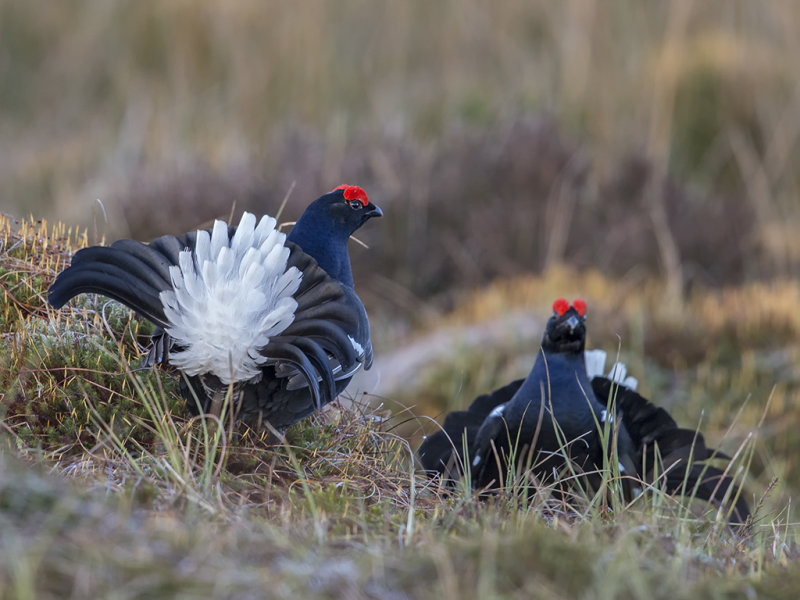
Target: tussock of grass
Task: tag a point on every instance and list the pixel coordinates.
(60, 371)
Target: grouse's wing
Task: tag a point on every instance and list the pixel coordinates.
(673, 454)
(707, 483)
(484, 404)
(444, 450)
(644, 421)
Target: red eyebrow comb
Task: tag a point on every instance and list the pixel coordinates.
(560, 306)
(353, 192)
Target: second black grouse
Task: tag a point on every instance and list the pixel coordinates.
(560, 410)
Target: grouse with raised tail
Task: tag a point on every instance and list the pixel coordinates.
(559, 411)
(274, 318)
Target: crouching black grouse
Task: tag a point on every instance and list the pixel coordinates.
(274, 318)
(560, 410)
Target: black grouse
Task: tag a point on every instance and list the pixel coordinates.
(273, 317)
(560, 410)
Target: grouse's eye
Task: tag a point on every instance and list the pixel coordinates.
(356, 204)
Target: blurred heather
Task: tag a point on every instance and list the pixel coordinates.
(639, 138)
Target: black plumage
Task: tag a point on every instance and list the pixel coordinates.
(559, 409)
(321, 337)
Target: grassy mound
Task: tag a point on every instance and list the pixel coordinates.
(108, 489)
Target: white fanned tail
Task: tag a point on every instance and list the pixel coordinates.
(229, 297)
(596, 364)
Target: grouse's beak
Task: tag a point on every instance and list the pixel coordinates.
(572, 323)
(373, 211)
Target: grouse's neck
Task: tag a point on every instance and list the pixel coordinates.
(557, 382)
(560, 368)
(561, 378)
(328, 248)
(564, 347)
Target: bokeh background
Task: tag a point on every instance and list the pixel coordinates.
(643, 155)
(630, 136)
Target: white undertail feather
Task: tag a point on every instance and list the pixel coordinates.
(596, 363)
(229, 298)
(618, 374)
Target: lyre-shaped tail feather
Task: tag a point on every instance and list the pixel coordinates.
(127, 271)
(291, 354)
(318, 349)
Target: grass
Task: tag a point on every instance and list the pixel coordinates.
(107, 489)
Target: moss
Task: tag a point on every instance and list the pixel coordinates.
(62, 373)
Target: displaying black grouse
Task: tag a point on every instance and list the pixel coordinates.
(273, 317)
(560, 411)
